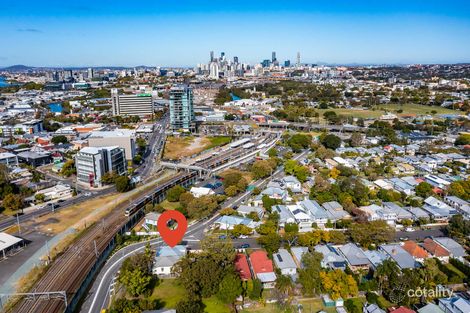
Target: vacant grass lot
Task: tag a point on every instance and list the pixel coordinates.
(181, 147)
(169, 292)
(416, 109)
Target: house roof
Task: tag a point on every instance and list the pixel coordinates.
(283, 259)
(451, 245)
(354, 255)
(260, 262)
(242, 267)
(415, 250)
(430, 308)
(402, 309)
(399, 255)
(434, 248)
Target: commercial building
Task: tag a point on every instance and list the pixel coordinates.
(9, 159)
(93, 162)
(181, 108)
(123, 138)
(140, 105)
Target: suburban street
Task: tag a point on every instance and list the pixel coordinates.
(98, 296)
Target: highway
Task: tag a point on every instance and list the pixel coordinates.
(98, 296)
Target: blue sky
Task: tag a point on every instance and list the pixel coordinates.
(181, 33)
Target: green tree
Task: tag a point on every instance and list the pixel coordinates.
(59, 139)
(230, 288)
(330, 141)
(309, 275)
(239, 230)
(374, 232)
(257, 289)
(68, 168)
(13, 202)
(173, 194)
(122, 183)
(424, 189)
(270, 242)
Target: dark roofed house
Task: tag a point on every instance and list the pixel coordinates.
(355, 257)
(34, 159)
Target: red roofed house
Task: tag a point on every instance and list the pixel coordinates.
(401, 309)
(263, 268)
(418, 253)
(242, 267)
(436, 250)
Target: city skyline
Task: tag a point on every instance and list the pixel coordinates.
(164, 34)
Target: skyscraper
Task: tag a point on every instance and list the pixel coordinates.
(222, 56)
(214, 70)
(212, 56)
(273, 57)
(287, 63)
(181, 108)
(235, 60)
(298, 59)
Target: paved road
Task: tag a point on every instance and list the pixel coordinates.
(98, 296)
(9, 221)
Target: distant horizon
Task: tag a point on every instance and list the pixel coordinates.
(352, 64)
(181, 34)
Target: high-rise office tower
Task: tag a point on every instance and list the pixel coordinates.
(212, 56)
(273, 57)
(90, 73)
(214, 70)
(133, 105)
(235, 60)
(298, 58)
(287, 63)
(222, 56)
(181, 108)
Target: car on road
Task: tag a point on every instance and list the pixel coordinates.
(244, 246)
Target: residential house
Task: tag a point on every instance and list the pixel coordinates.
(285, 215)
(355, 257)
(372, 308)
(262, 268)
(401, 309)
(317, 213)
(455, 249)
(335, 211)
(151, 218)
(376, 257)
(430, 308)
(275, 193)
(292, 183)
(417, 213)
(227, 222)
(400, 212)
(331, 258)
(245, 210)
(459, 204)
(436, 250)
(455, 304)
(399, 255)
(58, 191)
(198, 192)
(242, 267)
(285, 263)
(415, 250)
(165, 258)
(438, 209)
(297, 254)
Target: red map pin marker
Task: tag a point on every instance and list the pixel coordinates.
(172, 236)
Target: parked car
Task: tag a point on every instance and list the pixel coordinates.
(244, 246)
(222, 237)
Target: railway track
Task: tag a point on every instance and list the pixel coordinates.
(68, 271)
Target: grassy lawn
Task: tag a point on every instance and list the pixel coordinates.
(214, 305)
(180, 147)
(218, 141)
(169, 292)
(381, 109)
(167, 205)
(315, 305)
